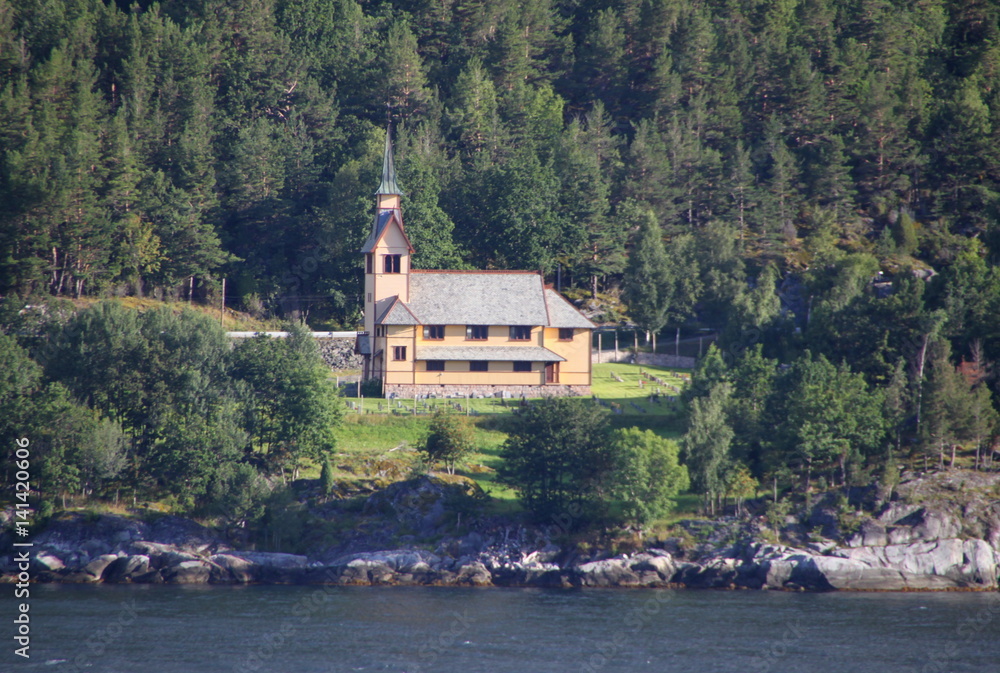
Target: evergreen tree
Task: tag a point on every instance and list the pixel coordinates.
(647, 278)
(406, 92)
(558, 457)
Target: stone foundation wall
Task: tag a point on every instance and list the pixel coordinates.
(514, 392)
(338, 353)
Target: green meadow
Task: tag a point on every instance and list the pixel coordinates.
(380, 438)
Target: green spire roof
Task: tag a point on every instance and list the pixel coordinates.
(388, 185)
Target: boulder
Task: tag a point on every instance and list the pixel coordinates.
(99, 565)
(656, 561)
(870, 534)
(124, 568)
(47, 562)
(232, 569)
(149, 577)
(271, 559)
(980, 567)
(474, 574)
(188, 572)
(606, 573)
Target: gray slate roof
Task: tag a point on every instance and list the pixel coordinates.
(480, 298)
(484, 298)
(564, 314)
(381, 220)
(399, 314)
(495, 353)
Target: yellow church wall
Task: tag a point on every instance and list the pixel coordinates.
(381, 284)
(454, 335)
(577, 352)
(387, 201)
(399, 371)
(500, 374)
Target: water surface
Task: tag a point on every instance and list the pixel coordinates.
(202, 629)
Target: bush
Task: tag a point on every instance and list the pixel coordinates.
(326, 482)
(237, 494)
(449, 440)
(370, 388)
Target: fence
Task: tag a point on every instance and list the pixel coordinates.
(658, 360)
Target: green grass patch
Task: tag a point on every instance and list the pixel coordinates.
(379, 435)
(633, 387)
(369, 443)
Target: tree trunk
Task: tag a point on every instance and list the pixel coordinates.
(920, 376)
(953, 447)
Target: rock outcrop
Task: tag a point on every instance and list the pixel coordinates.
(926, 543)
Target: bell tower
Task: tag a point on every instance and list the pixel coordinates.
(387, 250)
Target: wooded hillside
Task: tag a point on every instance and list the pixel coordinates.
(817, 179)
(144, 144)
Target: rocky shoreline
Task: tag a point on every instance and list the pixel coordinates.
(910, 544)
(117, 550)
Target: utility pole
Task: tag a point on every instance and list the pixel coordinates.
(222, 309)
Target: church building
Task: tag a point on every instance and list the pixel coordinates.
(448, 333)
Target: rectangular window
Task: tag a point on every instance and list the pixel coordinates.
(479, 366)
(433, 332)
(522, 366)
(392, 263)
(565, 334)
(520, 332)
(477, 332)
(399, 352)
(435, 365)
(369, 263)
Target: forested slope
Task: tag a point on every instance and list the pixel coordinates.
(745, 165)
(145, 144)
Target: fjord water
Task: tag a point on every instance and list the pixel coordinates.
(112, 629)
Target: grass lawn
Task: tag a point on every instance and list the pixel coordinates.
(631, 387)
(381, 435)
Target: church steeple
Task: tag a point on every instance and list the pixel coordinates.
(388, 186)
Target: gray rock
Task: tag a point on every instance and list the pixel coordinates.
(125, 568)
(99, 565)
(607, 573)
(980, 567)
(660, 563)
(150, 577)
(233, 569)
(47, 562)
(188, 572)
(184, 534)
(474, 574)
(870, 534)
(272, 559)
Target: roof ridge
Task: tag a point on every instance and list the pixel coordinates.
(470, 271)
(545, 302)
